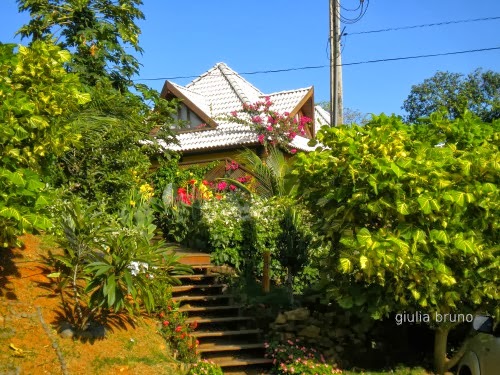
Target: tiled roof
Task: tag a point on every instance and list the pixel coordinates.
(218, 92)
(286, 101)
(321, 117)
(224, 90)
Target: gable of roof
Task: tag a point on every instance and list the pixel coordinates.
(218, 92)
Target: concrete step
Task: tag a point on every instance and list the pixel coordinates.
(193, 258)
(202, 298)
(238, 361)
(226, 333)
(226, 319)
(188, 308)
(187, 288)
(216, 347)
(194, 276)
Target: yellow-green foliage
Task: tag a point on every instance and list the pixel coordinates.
(37, 99)
(411, 214)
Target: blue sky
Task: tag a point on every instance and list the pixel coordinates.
(185, 38)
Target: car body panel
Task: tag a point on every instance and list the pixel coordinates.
(482, 356)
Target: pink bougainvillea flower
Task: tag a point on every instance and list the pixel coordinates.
(222, 185)
(234, 114)
(293, 151)
(232, 187)
(257, 119)
(271, 120)
(304, 120)
(269, 128)
(261, 138)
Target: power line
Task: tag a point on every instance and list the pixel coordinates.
(344, 64)
(424, 25)
(363, 7)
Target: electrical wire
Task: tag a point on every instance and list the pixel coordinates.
(363, 7)
(351, 10)
(424, 25)
(344, 64)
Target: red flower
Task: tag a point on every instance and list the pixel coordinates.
(205, 182)
(161, 315)
(261, 138)
(166, 323)
(194, 325)
(192, 182)
(232, 187)
(293, 151)
(178, 329)
(222, 185)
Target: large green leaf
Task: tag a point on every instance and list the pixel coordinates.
(10, 213)
(466, 245)
(345, 265)
(439, 235)
(363, 262)
(364, 237)
(402, 207)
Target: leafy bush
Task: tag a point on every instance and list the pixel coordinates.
(410, 215)
(110, 262)
(205, 367)
(37, 99)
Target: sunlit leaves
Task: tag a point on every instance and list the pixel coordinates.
(412, 215)
(98, 31)
(38, 96)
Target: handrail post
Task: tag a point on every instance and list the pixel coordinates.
(266, 282)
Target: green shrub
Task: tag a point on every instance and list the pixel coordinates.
(110, 262)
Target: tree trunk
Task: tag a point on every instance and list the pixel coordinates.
(266, 279)
(441, 362)
(440, 341)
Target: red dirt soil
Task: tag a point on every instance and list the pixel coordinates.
(30, 309)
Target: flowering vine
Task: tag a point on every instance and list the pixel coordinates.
(273, 128)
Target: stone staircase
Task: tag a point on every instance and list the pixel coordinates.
(225, 336)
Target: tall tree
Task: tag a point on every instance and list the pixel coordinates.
(38, 100)
(478, 92)
(412, 220)
(97, 31)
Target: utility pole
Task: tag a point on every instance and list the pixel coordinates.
(336, 115)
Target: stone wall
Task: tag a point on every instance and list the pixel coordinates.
(331, 333)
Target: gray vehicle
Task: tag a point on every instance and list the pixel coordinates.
(483, 350)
